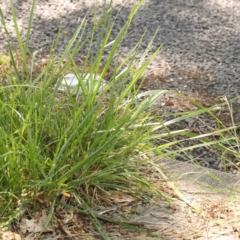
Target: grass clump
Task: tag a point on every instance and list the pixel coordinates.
(57, 143)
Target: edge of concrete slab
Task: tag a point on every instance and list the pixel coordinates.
(194, 178)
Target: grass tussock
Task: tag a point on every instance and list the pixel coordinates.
(54, 143)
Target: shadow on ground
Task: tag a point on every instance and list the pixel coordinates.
(197, 37)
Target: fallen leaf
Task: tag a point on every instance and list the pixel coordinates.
(9, 236)
(34, 225)
(64, 229)
(109, 227)
(67, 32)
(121, 198)
(121, 231)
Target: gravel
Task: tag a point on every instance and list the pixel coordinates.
(196, 35)
(201, 40)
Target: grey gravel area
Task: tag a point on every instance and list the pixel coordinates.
(201, 40)
(198, 36)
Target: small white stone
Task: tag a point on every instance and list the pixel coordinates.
(72, 82)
